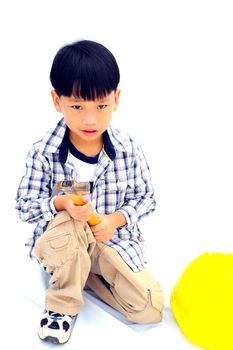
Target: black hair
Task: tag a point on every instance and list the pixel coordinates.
(84, 69)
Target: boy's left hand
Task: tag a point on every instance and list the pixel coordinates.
(105, 230)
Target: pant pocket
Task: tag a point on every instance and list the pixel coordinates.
(54, 248)
(128, 296)
(157, 298)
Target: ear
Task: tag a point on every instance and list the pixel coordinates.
(56, 101)
(117, 96)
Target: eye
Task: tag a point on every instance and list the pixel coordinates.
(102, 106)
(76, 107)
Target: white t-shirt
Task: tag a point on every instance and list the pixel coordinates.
(86, 171)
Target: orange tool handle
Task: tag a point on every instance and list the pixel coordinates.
(79, 200)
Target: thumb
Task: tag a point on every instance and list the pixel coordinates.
(100, 217)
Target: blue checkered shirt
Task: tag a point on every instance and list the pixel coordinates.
(122, 183)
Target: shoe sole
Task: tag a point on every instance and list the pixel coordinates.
(54, 340)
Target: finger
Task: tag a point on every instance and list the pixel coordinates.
(98, 234)
(84, 210)
(87, 205)
(97, 228)
(99, 216)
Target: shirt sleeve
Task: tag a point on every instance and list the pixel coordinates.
(33, 200)
(139, 199)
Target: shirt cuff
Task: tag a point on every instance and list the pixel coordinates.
(130, 215)
(48, 209)
(52, 207)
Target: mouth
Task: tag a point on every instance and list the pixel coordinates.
(89, 132)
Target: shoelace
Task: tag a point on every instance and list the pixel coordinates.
(55, 316)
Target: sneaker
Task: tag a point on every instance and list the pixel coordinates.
(56, 328)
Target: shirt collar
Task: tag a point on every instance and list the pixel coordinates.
(56, 141)
(64, 147)
(64, 150)
(53, 138)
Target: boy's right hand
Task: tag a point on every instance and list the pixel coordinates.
(82, 213)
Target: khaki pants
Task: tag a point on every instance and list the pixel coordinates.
(69, 251)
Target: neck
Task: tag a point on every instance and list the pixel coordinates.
(90, 149)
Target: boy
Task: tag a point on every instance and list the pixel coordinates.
(107, 258)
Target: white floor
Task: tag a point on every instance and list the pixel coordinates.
(97, 326)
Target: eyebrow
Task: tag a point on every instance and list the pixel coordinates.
(78, 100)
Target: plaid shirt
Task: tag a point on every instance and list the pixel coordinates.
(122, 183)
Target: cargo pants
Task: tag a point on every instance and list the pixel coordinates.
(69, 251)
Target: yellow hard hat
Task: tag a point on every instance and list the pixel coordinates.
(202, 301)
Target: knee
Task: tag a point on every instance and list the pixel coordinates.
(152, 313)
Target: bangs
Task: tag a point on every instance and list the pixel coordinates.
(93, 80)
(85, 70)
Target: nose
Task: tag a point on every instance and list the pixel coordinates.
(89, 118)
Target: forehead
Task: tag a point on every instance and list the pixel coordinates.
(107, 98)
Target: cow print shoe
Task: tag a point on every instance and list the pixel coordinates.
(56, 328)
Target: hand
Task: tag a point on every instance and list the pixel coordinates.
(105, 230)
(108, 225)
(77, 212)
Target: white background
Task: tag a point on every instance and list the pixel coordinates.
(175, 59)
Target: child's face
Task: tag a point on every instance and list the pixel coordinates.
(87, 120)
